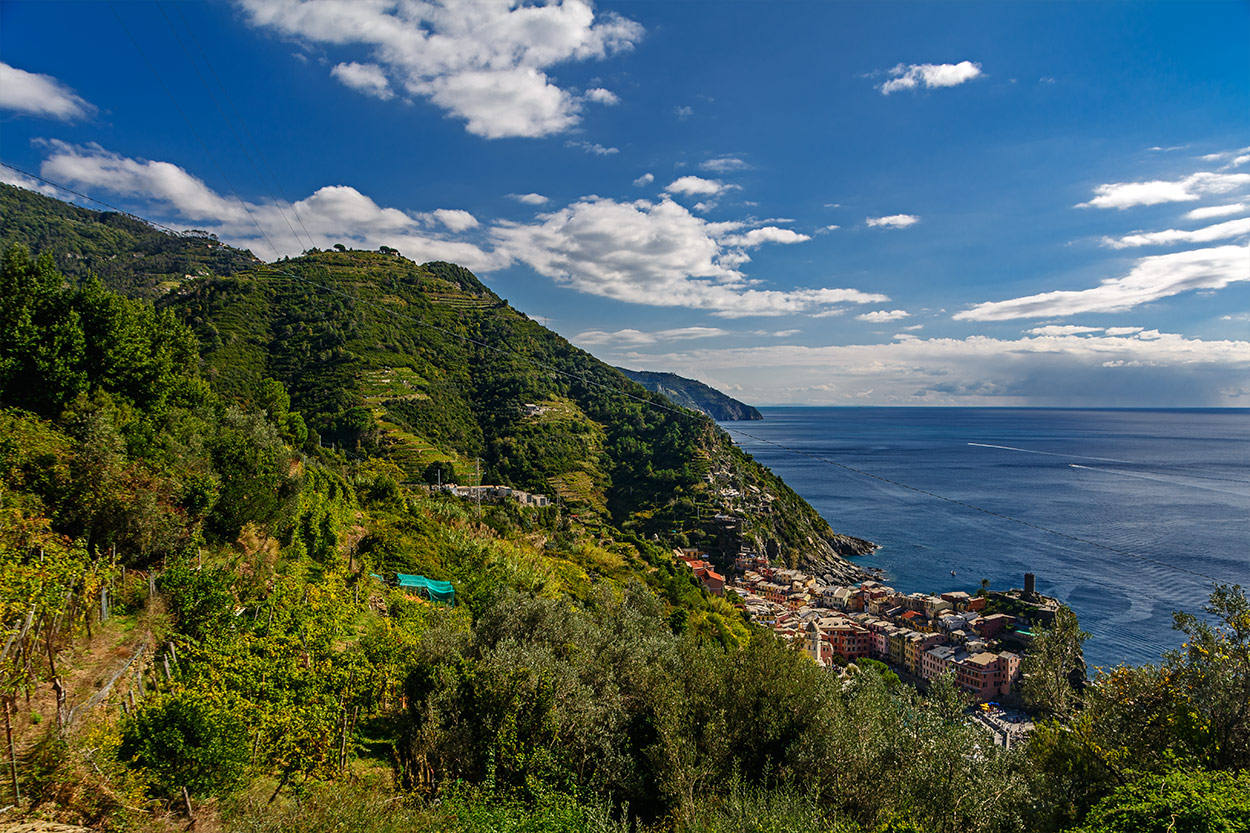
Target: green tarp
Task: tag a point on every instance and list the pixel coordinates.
(438, 591)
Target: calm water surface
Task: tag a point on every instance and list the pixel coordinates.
(1172, 486)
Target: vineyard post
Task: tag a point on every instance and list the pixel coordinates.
(8, 732)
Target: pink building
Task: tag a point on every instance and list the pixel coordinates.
(986, 675)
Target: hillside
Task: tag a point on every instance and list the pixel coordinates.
(384, 358)
(420, 364)
(693, 394)
(128, 255)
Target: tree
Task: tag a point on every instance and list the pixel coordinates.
(1213, 671)
(1177, 802)
(440, 471)
(1054, 668)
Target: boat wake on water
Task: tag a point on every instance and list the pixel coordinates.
(1050, 453)
(1170, 480)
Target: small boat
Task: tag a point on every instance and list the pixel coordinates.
(952, 572)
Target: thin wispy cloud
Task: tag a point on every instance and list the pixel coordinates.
(724, 164)
(591, 147)
(1212, 211)
(1063, 330)
(11, 177)
(1151, 279)
(1231, 158)
(929, 76)
(882, 315)
(634, 338)
(1171, 237)
(1144, 366)
(41, 96)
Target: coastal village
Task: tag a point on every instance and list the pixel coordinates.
(920, 636)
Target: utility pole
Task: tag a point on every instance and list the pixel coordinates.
(477, 469)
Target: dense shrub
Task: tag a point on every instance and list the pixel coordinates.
(181, 740)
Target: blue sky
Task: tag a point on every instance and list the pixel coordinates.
(797, 202)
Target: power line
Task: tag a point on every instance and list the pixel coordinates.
(259, 150)
(230, 124)
(89, 198)
(270, 271)
(193, 131)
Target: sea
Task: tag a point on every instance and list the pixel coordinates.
(1123, 515)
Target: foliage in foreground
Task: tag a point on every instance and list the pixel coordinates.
(584, 683)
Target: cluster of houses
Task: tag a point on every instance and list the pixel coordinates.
(708, 577)
(918, 634)
(493, 494)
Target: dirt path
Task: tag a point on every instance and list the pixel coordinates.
(86, 666)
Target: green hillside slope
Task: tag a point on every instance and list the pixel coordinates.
(693, 394)
(423, 364)
(417, 365)
(128, 255)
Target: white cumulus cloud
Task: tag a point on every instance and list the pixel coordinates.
(482, 61)
(697, 186)
(529, 199)
(1154, 192)
(1150, 279)
(644, 180)
(456, 219)
(366, 78)
(892, 221)
(33, 94)
(767, 234)
(601, 96)
(929, 75)
(882, 315)
(647, 252)
(331, 214)
(656, 253)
